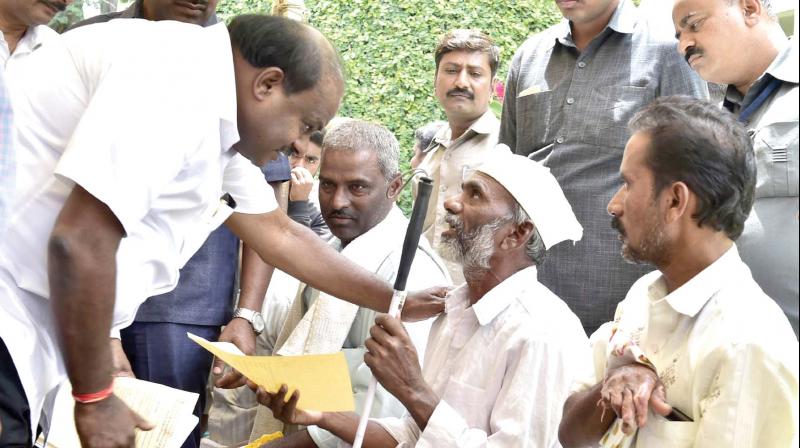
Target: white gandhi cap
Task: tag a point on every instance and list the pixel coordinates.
(537, 192)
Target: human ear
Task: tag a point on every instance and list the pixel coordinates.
(518, 236)
(677, 198)
(752, 11)
(267, 81)
(394, 186)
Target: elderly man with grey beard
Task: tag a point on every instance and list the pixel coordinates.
(499, 362)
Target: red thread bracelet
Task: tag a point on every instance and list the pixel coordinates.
(94, 397)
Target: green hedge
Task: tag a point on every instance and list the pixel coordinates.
(387, 48)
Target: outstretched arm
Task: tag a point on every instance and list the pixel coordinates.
(296, 250)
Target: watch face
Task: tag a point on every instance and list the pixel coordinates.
(258, 323)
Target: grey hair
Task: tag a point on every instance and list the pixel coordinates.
(767, 6)
(535, 248)
(358, 135)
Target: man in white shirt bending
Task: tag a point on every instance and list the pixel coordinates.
(107, 210)
(500, 361)
(697, 354)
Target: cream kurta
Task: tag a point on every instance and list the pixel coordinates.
(502, 368)
(724, 351)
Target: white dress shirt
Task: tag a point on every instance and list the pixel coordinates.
(143, 116)
(724, 350)
(33, 38)
(502, 369)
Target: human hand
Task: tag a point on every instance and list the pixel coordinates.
(424, 304)
(240, 333)
(285, 411)
(392, 358)
(630, 390)
(302, 183)
(108, 423)
(119, 361)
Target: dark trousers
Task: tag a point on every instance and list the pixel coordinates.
(15, 415)
(162, 353)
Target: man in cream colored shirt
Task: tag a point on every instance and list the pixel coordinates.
(359, 180)
(466, 64)
(697, 355)
(500, 361)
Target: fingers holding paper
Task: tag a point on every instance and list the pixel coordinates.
(285, 410)
(108, 423)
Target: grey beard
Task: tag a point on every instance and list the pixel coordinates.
(472, 250)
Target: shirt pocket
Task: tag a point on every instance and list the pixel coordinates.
(662, 433)
(470, 401)
(775, 147)
(534, 123)
(608, 112)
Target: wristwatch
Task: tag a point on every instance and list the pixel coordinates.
(254, 317)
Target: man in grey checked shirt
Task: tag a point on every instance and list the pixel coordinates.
(571, 90)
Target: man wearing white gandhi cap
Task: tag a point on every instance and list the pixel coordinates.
(500, 360)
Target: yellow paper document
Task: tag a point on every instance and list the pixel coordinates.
(323, 380)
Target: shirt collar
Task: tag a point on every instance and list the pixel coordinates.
(497, 299)
(784, 67)
(690, 298)
(623, 21)
(484, 125)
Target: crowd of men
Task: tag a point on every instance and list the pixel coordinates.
(613, 262)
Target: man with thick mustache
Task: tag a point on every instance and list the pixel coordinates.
(697, 355)
(741, 44)
(501, 360)
(570, 92)
(359, 179)
(466, 64)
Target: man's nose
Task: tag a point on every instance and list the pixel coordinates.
(341, 198)
(614, 207)
(462, 79)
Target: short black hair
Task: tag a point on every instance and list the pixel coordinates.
(705, 147)
(270, 41)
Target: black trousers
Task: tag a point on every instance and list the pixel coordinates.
(15, 415)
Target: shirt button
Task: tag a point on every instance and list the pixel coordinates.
(581, 64)
(570, 100)
(442, 188)
(560, 139)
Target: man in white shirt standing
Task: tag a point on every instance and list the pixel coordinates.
(106, 213)
(697, 355)
(500, 361)
(466, 65)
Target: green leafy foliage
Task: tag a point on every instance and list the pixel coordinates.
(387, 48)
